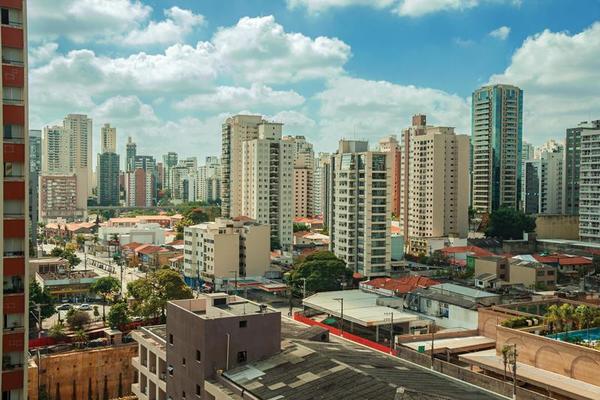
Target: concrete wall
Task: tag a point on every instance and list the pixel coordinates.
(557, 227)
(258, 250)
(488, 320)
(74, 374)
(563, 358)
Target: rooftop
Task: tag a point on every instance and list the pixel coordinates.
(452, 288)
(339, 369)
(47, 260)
(221, 305)
(478, 251)
(401, 285)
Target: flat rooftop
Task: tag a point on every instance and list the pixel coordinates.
(359, 307)
(306, 370)
(221, 305)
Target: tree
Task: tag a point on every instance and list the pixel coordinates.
(107, 287)
(118, 315)
(152, 293)
(80, 241)
(77, 319)
(66, 254)
(298, 227)
(507, 223)
(567, 314)
(180, 227)
(197, 216)
(96, 312)
(584, 316)
(40, 297)
(80, 338)
(322, 270)
(57, 331)
(553, 318)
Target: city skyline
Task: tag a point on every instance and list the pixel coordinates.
(167, 70)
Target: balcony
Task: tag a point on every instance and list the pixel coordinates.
(14, 304)
(12, 37)
(12, 380)
(14, 152)
(13, 341)
(14, 228)
(14, 189)
(14, 265)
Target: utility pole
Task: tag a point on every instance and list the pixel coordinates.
(432, 343)
(391, 314)
(341, 300)
(514, 356)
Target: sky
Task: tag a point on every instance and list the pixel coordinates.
(168, 73)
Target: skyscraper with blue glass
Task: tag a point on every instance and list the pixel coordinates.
(496, 143)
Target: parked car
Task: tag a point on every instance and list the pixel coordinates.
(85, 307)
(64, 307)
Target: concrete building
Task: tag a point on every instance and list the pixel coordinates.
(55, 148)
(139, 188)
(148, 164)
(14, 207)
(108, 139)
(209, 180)
(434, 185)
(360, 199)
(225, 249)
(589, 186)
(108, 179)
(304, 176)
(267, 183)
(60, 197)
(496, 139)
(139, 233)
(572, 164)
(169, 161)
(35, 169)
(528, 151)
(202, 336)
(131, 153)
(322, 184)
(542, 184)
(78, 127)
(390, 145)
(515, 271)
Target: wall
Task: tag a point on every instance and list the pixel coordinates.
(74, 374)
(483, 266)
(567, 359)
(557, 227)
(488, 320)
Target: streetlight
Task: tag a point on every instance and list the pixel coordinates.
(391, 314)
(341, 300)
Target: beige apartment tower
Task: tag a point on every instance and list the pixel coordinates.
(434, 188)
(108, 139)
(360, 198)
(304, 176)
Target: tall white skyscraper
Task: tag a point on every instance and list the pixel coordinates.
(360, 197)
(304, 176)
(543, 181)
(55, 151)
(108, 139)
(79, 129)
(589, 185)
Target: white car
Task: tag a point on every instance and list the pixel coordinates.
(85, 307)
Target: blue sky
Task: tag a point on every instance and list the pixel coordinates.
(169, 72)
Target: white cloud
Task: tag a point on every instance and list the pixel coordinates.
(405, 8)
(173, 29)
(125, 111)
(229, 98)
(259, 49)
(501, 33)
(42, 53)
(373, 109)
(82, 20)
(560, 75)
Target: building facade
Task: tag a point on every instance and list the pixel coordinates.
(360, 198)
(322, 184)
(169, 161)
(221, 250)
(496, 140)
(390, 145)
(435, 184)
(542, 184)
(130, 154)
(55, 148)
(108, 179)
(15, 200)
(78, 127)
(108, 139)
(35, 169)
(572, 165)
(139, 188)
(589, 186)
(304, 176)
(60, 198)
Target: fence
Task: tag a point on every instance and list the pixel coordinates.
(357, 339)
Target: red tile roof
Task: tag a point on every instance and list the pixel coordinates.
(562, 259)
(151, 249)
(132, 245)
(574, 261)
(402, 285)
(396, 229)
(478, 251)
(176, 243)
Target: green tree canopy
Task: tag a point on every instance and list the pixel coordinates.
(322, 270)
(299, 227)
(152, 293)
(508, 223)
(106, 287)
(77, 320)
(118, 315)
(66, 254)
(41, 297)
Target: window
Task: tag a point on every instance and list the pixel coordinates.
(183, 395)
(243, 324)
(170, 370)
(198, 356)
(183, 361)
(170, 338)
(198, 390)
(242, 356)
(4, 16)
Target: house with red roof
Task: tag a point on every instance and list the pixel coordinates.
(458, 254)
(565, 263)
(397, 287)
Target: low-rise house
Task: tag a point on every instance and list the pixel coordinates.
(142, 233)
(69, 285)
(46, 265)
(397, 287)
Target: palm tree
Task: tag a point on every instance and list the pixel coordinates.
(553, 318)
(57, 331)
(567, 313)
(584, 315)
(505, 351)
(80, 338)
(95, 241)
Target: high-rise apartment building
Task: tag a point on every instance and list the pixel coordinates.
(108, 179)
(108, 139)
(304, 176)
(496, 139)
(360, 198)
(55, 151)
(35, 169)
(390, 145)
(589, 185)
(79, 129)
(15, 201)
(169, 161)
(572, 165)
(434, 186)
(209, 180)
(218, 251)
(542, 191)
(321, 185)
(528, 151)
(234, 131)
(139, 188)
(130, 154)
(267, 182)
(60, 197)
(148, 164)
